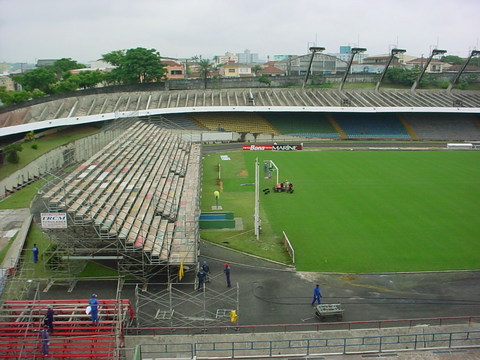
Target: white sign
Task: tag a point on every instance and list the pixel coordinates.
(54, 220)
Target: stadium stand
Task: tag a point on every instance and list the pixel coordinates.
(74, 337)
(134, 190)
(157, 104)
(239, 122)
(438, 126)
(309, 125)
(176, 121)
(364, 126)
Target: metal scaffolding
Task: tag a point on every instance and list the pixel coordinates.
(182, 304)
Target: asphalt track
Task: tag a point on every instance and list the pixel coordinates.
(271, 293)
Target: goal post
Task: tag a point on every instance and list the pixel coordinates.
(272, 166)
(289, 247)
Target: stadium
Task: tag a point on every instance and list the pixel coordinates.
(131, 196)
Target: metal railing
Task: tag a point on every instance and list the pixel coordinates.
(319, 346)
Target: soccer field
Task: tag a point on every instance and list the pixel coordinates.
(376, 211)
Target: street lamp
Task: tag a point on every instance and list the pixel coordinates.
(313, 49)
(353, 52)
(392, 54)
(434, 52)
(454, 81)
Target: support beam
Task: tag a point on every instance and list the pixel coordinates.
(313, 49)
(419, 78)
(454, 81)
(353, 52)
(392, 55)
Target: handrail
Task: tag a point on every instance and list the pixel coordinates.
(254, 349)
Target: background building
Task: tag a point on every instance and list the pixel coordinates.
(236, 70)
(344, 54)
(229, 57)
(248, 58)
(322, 64)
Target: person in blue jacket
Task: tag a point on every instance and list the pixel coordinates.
(48, 321)
(35, 253)
(45, 340)
(227, 274)
(93, 302)
(316, 295)
(206, 270)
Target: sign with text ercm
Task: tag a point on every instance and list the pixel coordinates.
(54, 220)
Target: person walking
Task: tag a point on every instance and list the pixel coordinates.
(45, 340)
(49, 319)
(35, 253)
(201, 279)
(206, 270)
(227, 274)
(93, 303)
(316, 295)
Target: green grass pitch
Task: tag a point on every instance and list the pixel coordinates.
(374, 211)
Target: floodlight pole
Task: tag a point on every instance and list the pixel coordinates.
(392, 55)
(353, 52)
(419, 78)
(313, 49)
(454, 81)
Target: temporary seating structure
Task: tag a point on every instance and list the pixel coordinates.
(74, 336)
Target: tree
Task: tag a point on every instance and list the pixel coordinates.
(453, 59)
(318, 79)
(87, 79)
(256, 69)
(398, 75)
(13, 97)
(40, 78)
(11, 153)
(206, 68)
(265, 79)
(65, 64)
(137, 65)
(64, 86)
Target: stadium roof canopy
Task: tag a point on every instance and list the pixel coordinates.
(78, 109)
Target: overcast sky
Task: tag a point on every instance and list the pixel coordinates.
(85, 29)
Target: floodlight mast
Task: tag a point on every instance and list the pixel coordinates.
(392, 55)
(454, 81)
(419, 78)
(313, 49)
(353, 52)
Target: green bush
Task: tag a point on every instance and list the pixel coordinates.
(444, 84)
(11, 153)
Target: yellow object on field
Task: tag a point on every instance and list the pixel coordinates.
(233, 316)
(180, 271)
